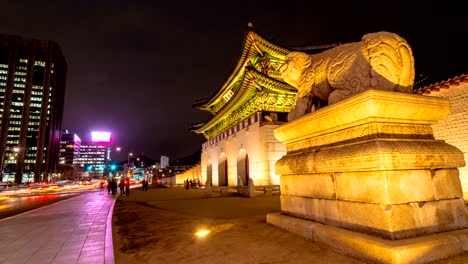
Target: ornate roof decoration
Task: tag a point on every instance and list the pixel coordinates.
(255, 84)
(264, 55)
(455, 81)
(256, 92)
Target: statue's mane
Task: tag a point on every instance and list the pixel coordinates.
(306, 80)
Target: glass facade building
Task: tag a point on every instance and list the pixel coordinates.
(94, 157)
(32, 87)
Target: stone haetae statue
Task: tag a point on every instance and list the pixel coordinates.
(382, 61)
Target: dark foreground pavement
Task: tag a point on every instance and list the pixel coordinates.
(75, 230)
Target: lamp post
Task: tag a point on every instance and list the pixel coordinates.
(128, 160)
(118, 149)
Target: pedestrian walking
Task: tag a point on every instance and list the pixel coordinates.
(109, 186)
(122, 186)
(114, 186)
(127, 187)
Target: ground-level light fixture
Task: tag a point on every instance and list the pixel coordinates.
(202, 233)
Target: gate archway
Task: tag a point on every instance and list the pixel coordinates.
(223, 171)
(243, 169)
(209, 174)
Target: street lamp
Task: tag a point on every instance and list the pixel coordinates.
(128, 159)
(118, 149)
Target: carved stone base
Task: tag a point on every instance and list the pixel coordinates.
(388, 221)
(370, 164)
(418, 250)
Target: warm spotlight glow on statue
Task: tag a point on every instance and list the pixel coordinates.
(381, 61)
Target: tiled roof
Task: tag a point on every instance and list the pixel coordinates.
(455, 81)
(252, 83)
(254, 43)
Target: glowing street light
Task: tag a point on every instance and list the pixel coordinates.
(128, 160)
(118, 149)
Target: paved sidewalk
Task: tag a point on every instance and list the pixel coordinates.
(76, 230)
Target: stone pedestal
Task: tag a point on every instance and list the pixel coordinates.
(371, 165)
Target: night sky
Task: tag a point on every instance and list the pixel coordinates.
(135, 67)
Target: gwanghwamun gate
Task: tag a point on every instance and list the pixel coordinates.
(254, 100)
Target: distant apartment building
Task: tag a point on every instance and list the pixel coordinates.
(94, 157)
(69, 154)
(164, 162)
(69, 148)
(32, 87)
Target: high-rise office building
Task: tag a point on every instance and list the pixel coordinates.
(69, 154)
(32, 87)
(94, 157)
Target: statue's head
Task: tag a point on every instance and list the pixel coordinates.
(291, 70)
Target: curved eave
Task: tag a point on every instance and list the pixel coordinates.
(253, 43)
(199, 104)
(269, 83)
(253, 82)
(268, 46)
(455, 81)
(243, 95)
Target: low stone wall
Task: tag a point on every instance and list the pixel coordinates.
(246, 191)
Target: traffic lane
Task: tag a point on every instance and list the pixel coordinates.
(13, 205)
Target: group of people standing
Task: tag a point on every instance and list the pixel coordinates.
(192, 184)
(124, 186)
